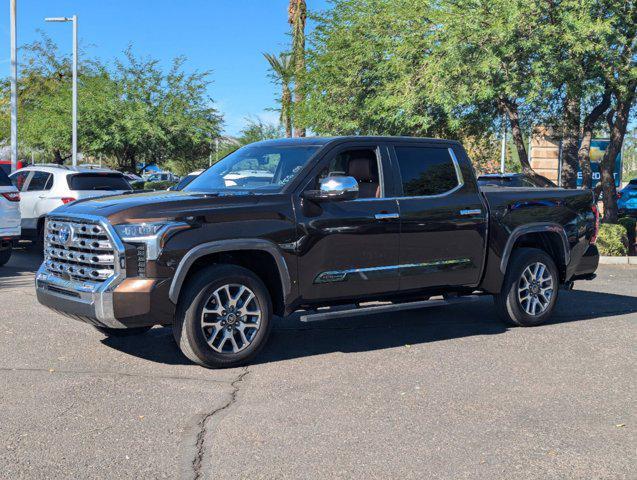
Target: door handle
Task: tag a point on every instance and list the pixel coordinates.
(476, 211)
(386, 216)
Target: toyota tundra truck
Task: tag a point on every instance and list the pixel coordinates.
(376, 223)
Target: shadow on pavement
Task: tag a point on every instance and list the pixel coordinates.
(18, 272)
(292, 339)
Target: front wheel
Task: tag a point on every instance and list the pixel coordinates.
(530, 288)
(224, 317)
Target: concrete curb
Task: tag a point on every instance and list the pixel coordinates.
(618, 261)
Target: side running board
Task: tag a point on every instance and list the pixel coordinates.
(394, 307)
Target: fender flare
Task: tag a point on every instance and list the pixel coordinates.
(535, 228)
(226, 246)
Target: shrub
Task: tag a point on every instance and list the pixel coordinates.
(612, 240)
(138, 185)
(158, 185)
(630, 224)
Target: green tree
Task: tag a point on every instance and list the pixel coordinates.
(282, 70)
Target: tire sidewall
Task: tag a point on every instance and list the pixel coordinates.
(515, 311)
(199, 292)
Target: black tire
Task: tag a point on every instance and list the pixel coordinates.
(197, 294)
(507, 302)
(122, 332)
(5, 255)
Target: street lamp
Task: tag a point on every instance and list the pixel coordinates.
(74, 20)
(14, 89)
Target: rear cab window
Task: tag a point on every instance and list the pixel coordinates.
(98, 181)
(427, 171)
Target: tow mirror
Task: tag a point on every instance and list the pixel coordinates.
(334, 188)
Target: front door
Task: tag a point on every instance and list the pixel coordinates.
(349, 249)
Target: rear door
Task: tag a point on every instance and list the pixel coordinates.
(443, 219)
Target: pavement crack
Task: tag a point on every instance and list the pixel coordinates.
(205, 419)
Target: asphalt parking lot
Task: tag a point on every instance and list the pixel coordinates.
(443, 393)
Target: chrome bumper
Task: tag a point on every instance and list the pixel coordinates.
(89, 302)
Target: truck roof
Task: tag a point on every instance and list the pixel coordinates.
(320, 141)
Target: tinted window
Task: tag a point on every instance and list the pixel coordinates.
(4, 179)
(18, 179)
(40, 181)
(425, 171)
(98, 181)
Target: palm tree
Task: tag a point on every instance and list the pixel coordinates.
(283, 71)
(297, 17)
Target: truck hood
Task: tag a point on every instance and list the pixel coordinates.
(156, 206)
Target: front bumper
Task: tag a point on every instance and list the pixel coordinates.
(129, 303)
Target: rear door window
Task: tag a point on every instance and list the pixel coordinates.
(19, 179)
(98, 181)
(40, 181)
(426, 171)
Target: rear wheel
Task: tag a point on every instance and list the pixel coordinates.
(530, 288)
(5, 255)
(122, 332)
(224, 317)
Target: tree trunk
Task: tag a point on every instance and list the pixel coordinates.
(510, 108)
(298, 19)
(584, 154)
(607, 166)
(57, 157)
(286, 110)
(570, 140)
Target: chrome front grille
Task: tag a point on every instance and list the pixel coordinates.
(78, 250)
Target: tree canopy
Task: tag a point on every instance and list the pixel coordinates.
(133, 112)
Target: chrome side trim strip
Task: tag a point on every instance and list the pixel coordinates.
(371, 273)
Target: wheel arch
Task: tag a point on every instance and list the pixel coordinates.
(260, 256)
(549, 237)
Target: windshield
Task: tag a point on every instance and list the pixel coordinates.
(259, 168)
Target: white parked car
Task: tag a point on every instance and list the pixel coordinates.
(9, 217)
(44, 188)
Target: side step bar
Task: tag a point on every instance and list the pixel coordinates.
(395, 307)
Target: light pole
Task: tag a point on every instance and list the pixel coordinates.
(14, 89)
(74, 20)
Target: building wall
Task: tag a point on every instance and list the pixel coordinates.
(545, 153)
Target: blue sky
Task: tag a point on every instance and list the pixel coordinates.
(225, 36)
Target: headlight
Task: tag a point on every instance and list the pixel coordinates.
(138, 230)
(154, 235)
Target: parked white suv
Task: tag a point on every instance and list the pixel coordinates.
(44, 188)
(9, 217)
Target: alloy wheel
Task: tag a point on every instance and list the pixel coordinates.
(535, 289)
(231, 318)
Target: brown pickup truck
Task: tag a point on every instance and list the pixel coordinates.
(297, 224)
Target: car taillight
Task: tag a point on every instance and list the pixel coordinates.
(619, 195)
(596, 212)
(11, 196)
(66, 200)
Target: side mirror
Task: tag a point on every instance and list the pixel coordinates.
(333, 189)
